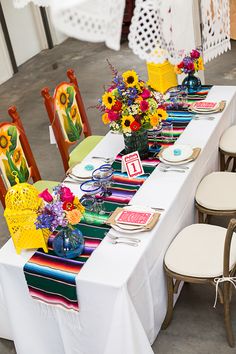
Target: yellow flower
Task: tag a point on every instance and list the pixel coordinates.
(105, 118)
(200, 64)
(17, 156)
(154, 120)
(125, 123)
(74, 113)
(177, 70)
(73, 216)
(162, 114)
(78, 205)
(130, 78)
(5, 142)
(108, 99)
(62, 98)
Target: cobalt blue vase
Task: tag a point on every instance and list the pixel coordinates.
(68, 243)
(192, 82)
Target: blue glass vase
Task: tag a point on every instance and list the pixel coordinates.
(68, 243)
(192, 82)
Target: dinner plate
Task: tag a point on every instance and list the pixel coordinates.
(127, 231)
(177, 153)
(85, 169)
(175, 163)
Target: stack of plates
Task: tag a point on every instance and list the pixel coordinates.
(206, 107)
(176, 154)
(83, 171)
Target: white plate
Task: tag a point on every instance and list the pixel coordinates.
(126, 231)
(174, 163)
(168, 153)
(85, 169)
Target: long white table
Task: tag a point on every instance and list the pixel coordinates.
(121, 289)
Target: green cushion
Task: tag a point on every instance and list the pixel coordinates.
(42, 184)
(83, 149)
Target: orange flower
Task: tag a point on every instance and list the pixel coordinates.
(105, 118)
(154, 120)
(74, 216)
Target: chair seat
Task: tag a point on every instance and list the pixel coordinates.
(198, 251)
(217, 191)
(83, 149)
(43, 184)
(228, 140)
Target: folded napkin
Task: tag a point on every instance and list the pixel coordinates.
(220, 107)
(112, 219)
(195, 154)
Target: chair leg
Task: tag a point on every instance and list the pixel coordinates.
(234, 165)
(169, 312)
(222, 161)
(227, 317)
(200, 217)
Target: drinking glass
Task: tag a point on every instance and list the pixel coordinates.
(102, 176)
(91, 203)
(167, 131)
(155, 133)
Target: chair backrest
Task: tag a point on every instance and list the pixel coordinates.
(16, 156)
(227, 246)
(67, 115)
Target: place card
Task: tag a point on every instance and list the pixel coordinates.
(134, 217)
(132, 164)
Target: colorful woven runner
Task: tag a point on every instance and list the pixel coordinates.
(52, 279)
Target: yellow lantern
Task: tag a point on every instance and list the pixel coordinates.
(22, 204)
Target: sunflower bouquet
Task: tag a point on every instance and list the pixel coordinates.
(191, 63)
(129, 105)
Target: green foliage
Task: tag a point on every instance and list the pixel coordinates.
(71, 130)
(12, 132)
(71, 91)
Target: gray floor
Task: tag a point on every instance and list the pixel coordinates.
(196, 327)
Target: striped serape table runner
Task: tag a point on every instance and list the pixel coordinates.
(52, 279)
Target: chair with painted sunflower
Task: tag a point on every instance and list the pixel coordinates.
(69, 121)
(16, 157)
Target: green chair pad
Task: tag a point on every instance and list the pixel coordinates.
(83, 149)
(43, 184)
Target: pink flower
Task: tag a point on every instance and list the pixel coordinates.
(195, 54)
(113, 116)
(145, 94)
(66, 195)
(190, 66)
(46, 196)
(144, 106)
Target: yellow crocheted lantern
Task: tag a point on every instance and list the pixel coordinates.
(22, 203)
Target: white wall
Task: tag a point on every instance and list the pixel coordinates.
(5, 65)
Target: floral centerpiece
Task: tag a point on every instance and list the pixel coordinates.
(128, 106)
(191, 64)
(62, 211)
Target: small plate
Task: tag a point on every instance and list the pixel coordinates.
(127, 231)
(168, 154)
(175, 163)
(85, 169)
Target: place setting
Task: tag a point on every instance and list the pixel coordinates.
(204, 110)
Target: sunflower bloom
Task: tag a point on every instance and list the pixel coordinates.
(62, 98)
(74, 113)
(17, 156)
(162, 114)
(5, 142)
(130, 78)
(154, 120)
(126, 121)
(108, 100)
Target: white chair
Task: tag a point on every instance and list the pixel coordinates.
(203, 253)
(216, 195)
(227, 149)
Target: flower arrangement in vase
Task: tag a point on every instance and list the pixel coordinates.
(62, 211)
(128, 106)
(191, 64)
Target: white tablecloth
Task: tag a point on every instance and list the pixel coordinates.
(121, 289)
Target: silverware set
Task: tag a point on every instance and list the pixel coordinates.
(203, 118)
(105, 159)
(130, 241)
(178, 168)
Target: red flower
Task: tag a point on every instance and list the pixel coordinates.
(113, 116)
(144, 106)
(46, 196)
(146, 93)
(135, 126)
(117, 106)
(66, 195)
(180, 65)
(190, 66)
(68, 206)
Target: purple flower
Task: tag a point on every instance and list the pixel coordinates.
(44, 221)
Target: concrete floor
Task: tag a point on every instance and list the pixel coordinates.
(196, 327)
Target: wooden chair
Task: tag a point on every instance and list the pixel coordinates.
(69, 121)
(227, 149)
(16, 155)
(201, 254)
(216, 195)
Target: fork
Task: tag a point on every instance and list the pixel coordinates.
(113, 237)
(179, 167)
(203, 118)
(105, 159)
(172, 170)
(116, 242)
